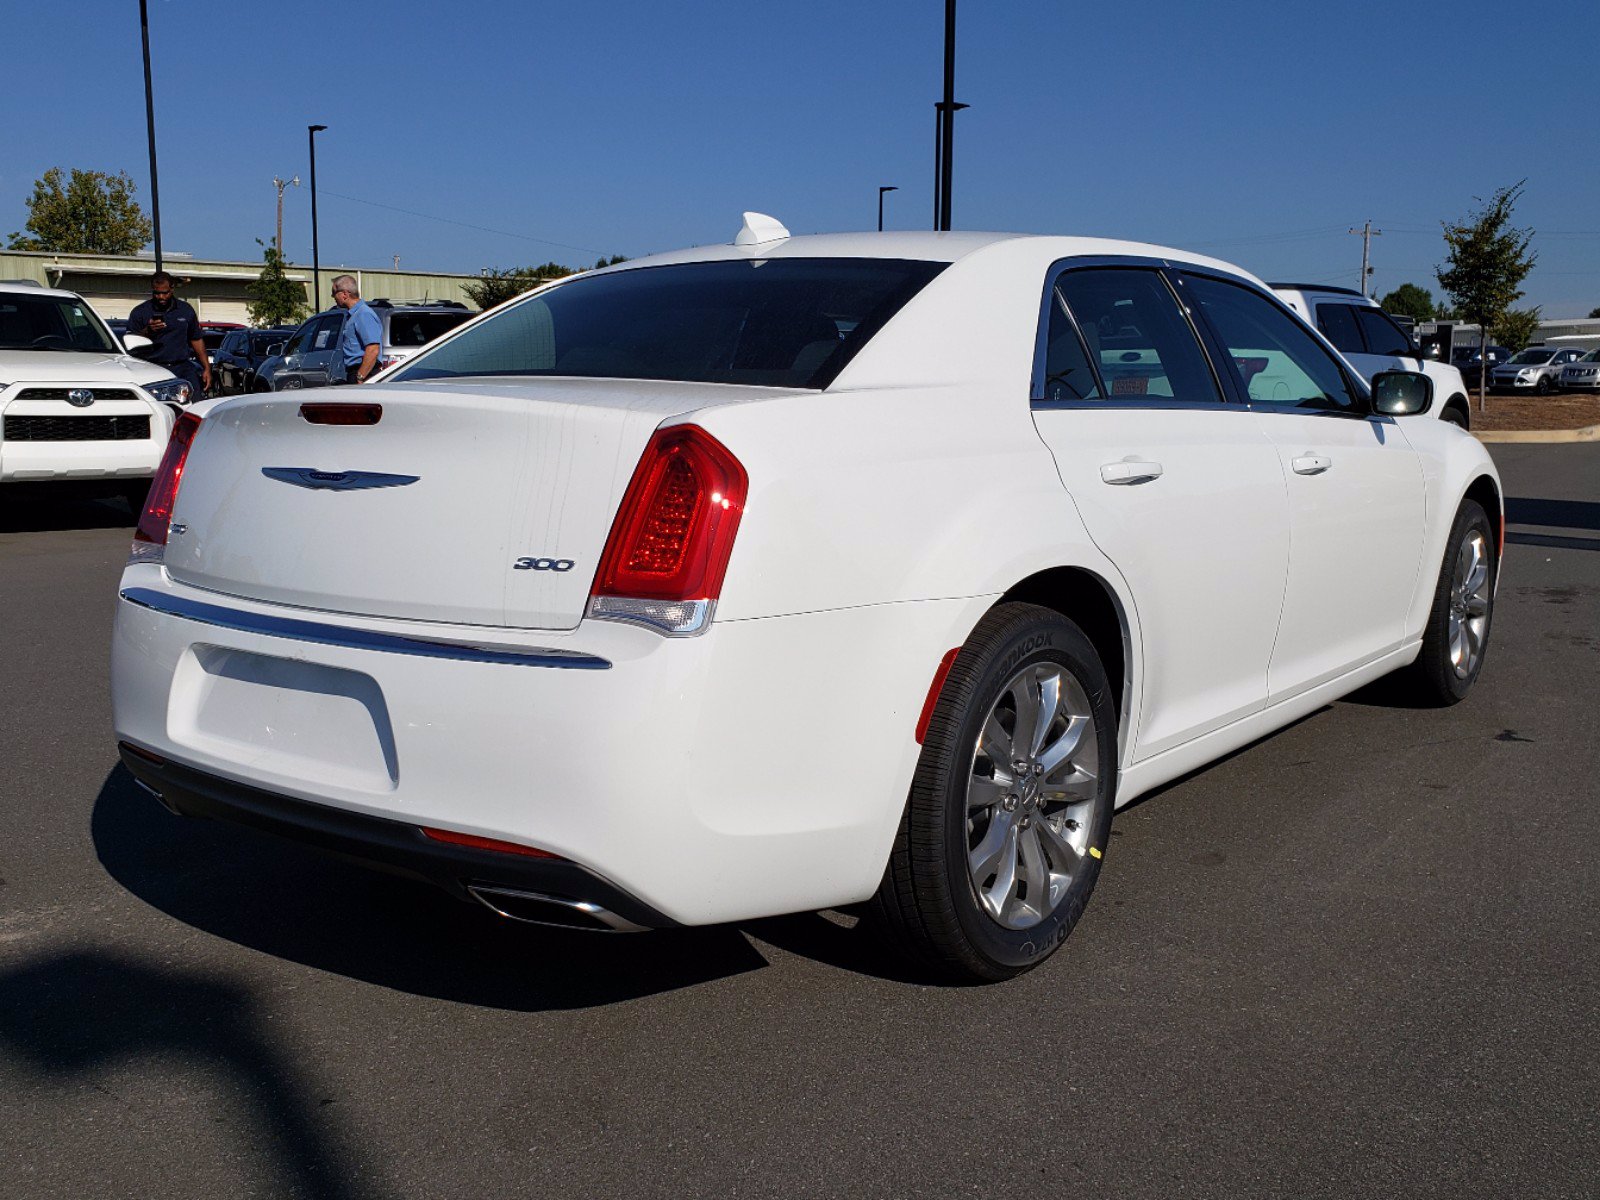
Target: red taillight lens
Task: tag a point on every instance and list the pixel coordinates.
(482, 843)
(157, 515)
(674, 532)
(342, 414)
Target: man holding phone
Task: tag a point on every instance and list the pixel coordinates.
(174, 327)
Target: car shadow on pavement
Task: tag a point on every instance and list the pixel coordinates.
(75, 1015)
(24, 510)
(1554, 514)
(301, 906)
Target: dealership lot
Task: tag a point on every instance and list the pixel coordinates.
(1358, 956)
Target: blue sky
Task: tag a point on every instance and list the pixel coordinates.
(1255, 131)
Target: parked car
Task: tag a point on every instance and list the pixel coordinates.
(1371, 341)
(792, 574)
(1536, 369)
(312, 358)
(74, 407)
(239, 357)
(1469, 361)
(1583, 374)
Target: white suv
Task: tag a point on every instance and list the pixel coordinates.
(73, 405)
(1371, 341)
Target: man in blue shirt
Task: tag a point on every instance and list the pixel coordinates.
(175, 329)
(362, 336)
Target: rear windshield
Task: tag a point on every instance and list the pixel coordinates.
(418, 329)
(791, 322)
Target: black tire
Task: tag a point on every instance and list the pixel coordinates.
(928, 904)
(1545, 387)
(1434, 677)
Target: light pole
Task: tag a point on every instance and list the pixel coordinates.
(280, 184)
(881, 191)
(945, 126)
(150, 126)
(316, 257)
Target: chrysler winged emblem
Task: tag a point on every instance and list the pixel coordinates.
(336, 481)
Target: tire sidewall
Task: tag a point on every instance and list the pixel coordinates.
(1469, 517)
(1045, 639)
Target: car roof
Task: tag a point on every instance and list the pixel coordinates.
(927, 247)
(27, 288)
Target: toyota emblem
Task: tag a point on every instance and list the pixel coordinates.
(81, 397)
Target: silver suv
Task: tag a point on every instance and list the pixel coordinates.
(1536, 369)
(311, 356)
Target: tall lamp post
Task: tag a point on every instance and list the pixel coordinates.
(881, 191)
(945, 126)
(316, 256)
(150, 126)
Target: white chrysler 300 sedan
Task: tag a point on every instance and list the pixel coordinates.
(795, 573)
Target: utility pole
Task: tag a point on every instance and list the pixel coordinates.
(280, 184)
(396, 262)
(1367, 233)
(316, 255)
(881, 191)
(945, 125)
(150, 127)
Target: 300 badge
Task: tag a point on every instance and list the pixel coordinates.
(543, 564)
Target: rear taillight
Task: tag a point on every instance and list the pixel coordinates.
(150, 538)
(668, 551)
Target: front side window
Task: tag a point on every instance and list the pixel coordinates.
(781, 322)
(1338, 324)
(1137, 335)
(1383, 335)
(1276, 359)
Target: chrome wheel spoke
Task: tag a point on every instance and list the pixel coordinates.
(1025, 696)
(1064, 747)
(995, 743)
(985, 857)
(998, 897)
(1062, 853)
(1036, 872)
(985, 793)
(1477, 606)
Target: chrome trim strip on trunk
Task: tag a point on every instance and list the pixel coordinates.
(357, 639)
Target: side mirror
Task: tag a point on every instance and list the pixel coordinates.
(137, 345)
(1401, 393)
(274, 349)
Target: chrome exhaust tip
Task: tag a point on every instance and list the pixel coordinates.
(534, 908)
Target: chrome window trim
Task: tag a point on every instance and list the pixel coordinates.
(356, 639)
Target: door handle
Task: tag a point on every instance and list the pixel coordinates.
(1311, 464)
(1130, 472)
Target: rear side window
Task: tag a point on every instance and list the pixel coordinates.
(1137, 336)
(408, 329)
(782, 322)
(1276, 359)
(1067, 373)
(1383, 335)
(1338, 324)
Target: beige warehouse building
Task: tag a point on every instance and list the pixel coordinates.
(114, 283)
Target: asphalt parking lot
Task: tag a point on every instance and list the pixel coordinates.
(1358, 958)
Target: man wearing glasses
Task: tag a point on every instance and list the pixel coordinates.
(362, 336)
(174, 327)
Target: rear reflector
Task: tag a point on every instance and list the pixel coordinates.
(137, 752)
(937, 686)
(342, 414)
(483, 843)
(157, 516)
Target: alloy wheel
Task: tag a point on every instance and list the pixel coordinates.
(1469, 604)
(1031, 795)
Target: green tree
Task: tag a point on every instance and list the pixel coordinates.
(1443, 312)
(1593, 313)
(1517, 327)
(496, 286)
(1409, 300)
(275, 299)
(1487, 261)
(90, 213)
(602, 263)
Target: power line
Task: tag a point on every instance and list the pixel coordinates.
(411, 212)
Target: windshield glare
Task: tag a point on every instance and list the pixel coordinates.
(1532, 356)
(783, 322)
(51, 323)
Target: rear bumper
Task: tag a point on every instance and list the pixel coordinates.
(758, 769)
(386, 845)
